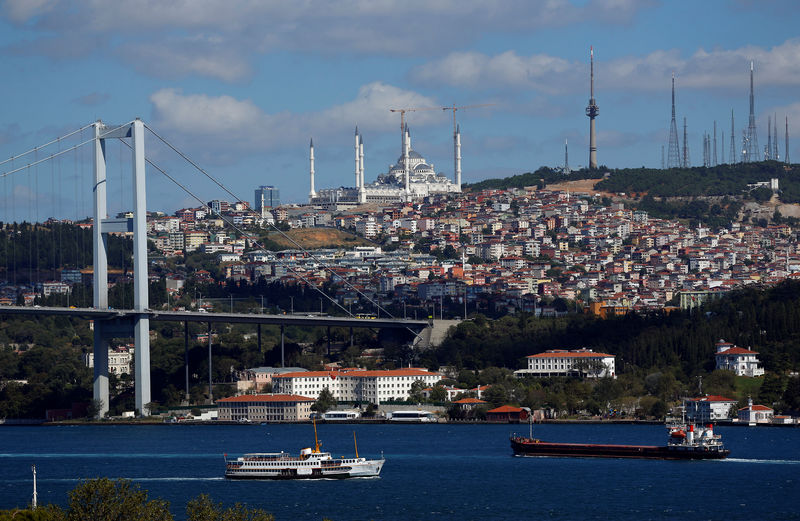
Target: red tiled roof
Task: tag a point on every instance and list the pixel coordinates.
(469, 400)
(712, 398)
(568, 354)
(756, 408)
(506, 408)
(266, 398)
(737, 351)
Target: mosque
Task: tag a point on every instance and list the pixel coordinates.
(411, 178)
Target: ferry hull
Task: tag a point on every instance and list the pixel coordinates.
(529, 447)
(365, 470)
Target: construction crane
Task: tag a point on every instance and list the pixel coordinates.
(403, 118)
(454, 108)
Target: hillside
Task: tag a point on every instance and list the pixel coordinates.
(313, 238)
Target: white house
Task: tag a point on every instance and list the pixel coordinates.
(707, 409)
(562, 362)
(741, 361)
(753, 414)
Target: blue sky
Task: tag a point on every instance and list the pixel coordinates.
(241, 86)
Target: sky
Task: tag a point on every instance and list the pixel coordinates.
(240, 87)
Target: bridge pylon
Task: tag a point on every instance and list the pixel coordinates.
(137, 326)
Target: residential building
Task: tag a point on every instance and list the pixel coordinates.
(741, 361)
(562, 362)
(754, 414)
(708, 409)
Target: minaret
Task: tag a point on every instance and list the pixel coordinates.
(674, 152)
(752, 135)
(591, 111)
(362, 192)
(312, 193)
(457, 155)
(406, 146)
(358, 159)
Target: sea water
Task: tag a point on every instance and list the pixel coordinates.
(441, 471)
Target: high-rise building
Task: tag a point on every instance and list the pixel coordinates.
(267, 197)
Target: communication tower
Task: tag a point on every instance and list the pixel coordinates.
(685, 145)
(591, 111)
(674, 154)
(733, 142)
(751, 150)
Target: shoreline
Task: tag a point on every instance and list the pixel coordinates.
(381, 421)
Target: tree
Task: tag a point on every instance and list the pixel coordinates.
(438, 394)
(202, 508)
(106, 500)
(325, 401)
(415, 392)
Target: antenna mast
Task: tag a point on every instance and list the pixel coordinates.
(685, 145)
(674, 154)
(733, 142)
(751, 151)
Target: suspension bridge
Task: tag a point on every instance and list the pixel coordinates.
(135, 322)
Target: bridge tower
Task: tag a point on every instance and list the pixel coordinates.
(137, 326)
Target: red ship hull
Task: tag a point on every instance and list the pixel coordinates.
(532, 447)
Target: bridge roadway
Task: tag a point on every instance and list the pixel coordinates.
(298, 319)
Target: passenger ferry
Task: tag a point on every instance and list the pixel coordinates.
(341, 415)
(309, 464)
(412, 416)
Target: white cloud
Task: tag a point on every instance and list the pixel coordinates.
(220, 38)
(776, 66)
(240, 123)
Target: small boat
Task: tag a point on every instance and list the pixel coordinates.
(309, 464)
(695, 443)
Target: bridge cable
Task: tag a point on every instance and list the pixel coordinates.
(232, 225)
(281, 232)
(56, 140)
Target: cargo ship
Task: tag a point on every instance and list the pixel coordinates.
(692, 443)
(309, 464)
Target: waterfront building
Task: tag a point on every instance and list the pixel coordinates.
(265, 407)
(708, 409)
(754, 414)
(355, 385)
(562, 362)
(741, 361)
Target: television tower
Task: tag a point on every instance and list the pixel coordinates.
(733, 142)
(722, 148)
(674, 155)
(566, 157)
(591, 111)
(751, 151)
(685, 145)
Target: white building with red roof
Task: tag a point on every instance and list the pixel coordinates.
(356, 385)
(265, 407)
(741, 361)
(563, 362)
(709, 408)
(754, 414)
